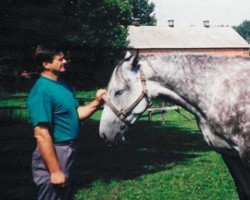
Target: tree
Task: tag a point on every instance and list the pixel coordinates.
(244, 30)
(96, 35)
(97, 24)
(143, 10)
(94, 32)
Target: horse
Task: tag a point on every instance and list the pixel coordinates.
(215, 89)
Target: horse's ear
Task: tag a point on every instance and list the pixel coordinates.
(135, 65)
(133, 54)
(128, 55)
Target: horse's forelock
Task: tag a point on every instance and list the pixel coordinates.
(117, 76)
(120, 73)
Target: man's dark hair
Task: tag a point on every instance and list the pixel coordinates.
(45, 53)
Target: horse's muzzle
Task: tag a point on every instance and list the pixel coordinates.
(119, 139)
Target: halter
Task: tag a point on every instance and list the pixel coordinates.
(122, 115)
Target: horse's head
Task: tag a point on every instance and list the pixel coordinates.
(126, 99)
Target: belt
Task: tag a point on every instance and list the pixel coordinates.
(65, 143)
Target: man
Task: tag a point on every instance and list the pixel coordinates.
(55, 117)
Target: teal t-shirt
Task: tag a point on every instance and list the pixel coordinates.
(53, 102)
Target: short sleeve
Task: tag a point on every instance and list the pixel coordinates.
(40, 108)
(77, 103)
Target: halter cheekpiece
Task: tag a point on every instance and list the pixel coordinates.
(122, 115)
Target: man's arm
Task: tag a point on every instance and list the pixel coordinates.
(86, 111)
(46, 148)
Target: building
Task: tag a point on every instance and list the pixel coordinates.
(219, 41)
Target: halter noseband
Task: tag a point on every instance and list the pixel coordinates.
(122, 115)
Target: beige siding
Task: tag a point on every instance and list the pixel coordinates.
(216, 52)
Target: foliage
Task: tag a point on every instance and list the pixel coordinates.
(244, 30)
(94, 31)
(143, 10)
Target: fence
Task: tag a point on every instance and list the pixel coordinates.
(12, 112)
(13, 108)
(160, 110)
(20, 112)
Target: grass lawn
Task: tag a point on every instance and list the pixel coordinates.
(158, 161)
(18, 100)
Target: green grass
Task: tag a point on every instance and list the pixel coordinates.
(13, 114)
(203, 178)
(86, 94)
(174, 163)
(20, 100)
(168, 161)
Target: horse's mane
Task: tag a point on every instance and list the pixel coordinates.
(192, 61)
(176, 56)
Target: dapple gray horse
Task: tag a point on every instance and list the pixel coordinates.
(215, 89)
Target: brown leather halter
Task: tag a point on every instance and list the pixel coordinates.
(122, 115)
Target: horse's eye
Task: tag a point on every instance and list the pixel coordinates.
(119, 92)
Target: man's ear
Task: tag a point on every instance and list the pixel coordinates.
(45, 65)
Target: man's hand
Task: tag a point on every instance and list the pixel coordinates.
(86, 111)
(46, 148)
(58, 178)
(99, 94)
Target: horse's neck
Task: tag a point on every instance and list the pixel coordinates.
(183, 80)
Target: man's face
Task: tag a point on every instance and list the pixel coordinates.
(57, 65)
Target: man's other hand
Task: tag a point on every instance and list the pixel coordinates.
(58, 178)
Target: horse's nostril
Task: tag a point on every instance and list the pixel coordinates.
(104, 136)
(119, 139)
(123, 127)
